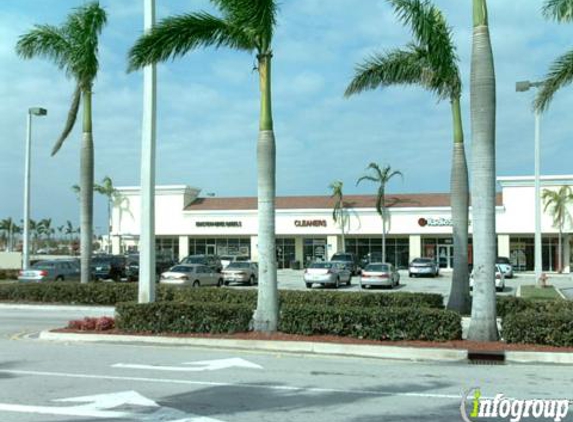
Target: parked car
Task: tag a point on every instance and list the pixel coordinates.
(241, 272)
(211, 261)
(499, 279)
(423, 266)
(162, 264)
(329, 273)
(109, 267)
(195, 275)
(348, 259)
(505, 265)
(229, 259)
(379, 274)
(51, 270)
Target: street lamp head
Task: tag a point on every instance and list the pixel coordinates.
(522, 86)
(37, 111)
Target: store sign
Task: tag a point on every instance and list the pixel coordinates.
(218, 224)
(310, 223)
(437, 222)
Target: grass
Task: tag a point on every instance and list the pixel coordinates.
(8, 281)
(540, 293)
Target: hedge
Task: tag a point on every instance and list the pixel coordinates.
(112, 293)
(372, 323)
(173, 317)
(510, 305)
(549, 327)
(9, 274)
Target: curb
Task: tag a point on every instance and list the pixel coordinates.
(303, 347)
(560, 293)
(108, 310)
(539, 357)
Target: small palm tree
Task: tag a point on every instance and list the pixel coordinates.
(73, 47)
(483, 325)
(111, 193)
(431, 62)
(561, 70)
(381, 177)
(246, 25)
(339, 213)
(558, 205)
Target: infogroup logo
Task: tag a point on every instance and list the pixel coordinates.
(510, 408)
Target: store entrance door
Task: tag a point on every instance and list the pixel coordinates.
(211, 249)
(446, 256)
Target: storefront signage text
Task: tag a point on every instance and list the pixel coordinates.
(218, 224)
(437, 222)
(310, 223)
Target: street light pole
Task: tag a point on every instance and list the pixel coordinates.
(36, 111)
(522, 87)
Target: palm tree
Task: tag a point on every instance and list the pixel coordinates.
(246, 25)
(557, 203)
(44, 227)
(108, 190)
(381, 177)
(561, 70)
(73, 47)
(483, 325)
(9, 228)
(339, 214)
(430, 61)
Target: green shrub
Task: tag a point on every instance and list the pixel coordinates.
(547, 327)
(371, 323)
(9, 274)
(510, 305)
(174, 317)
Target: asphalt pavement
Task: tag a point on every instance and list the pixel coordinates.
(59, 381)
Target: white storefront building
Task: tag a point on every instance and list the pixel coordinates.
(419, 225)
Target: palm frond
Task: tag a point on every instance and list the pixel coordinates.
(70, 121)
(559, 10)
(560, 75)
(45, 41)
(369, 178)
(177, 35)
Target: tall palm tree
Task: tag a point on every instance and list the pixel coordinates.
(339, 213)
(9, 228)
(557, 203)
(431, 62)
(561, 70)
(44, 228)
(483, 325)
(246, 25)
(381, 177)
(73, 47)
(111, 193)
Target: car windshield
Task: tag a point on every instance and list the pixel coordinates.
(423, 261)
(180, 269)
(101, 260)
(320, 265)
(242, 258)
(43, 265)
(226, 258)
(342, 257)
(195, 260)
(238, 265)
(501, 260)
(377, 268)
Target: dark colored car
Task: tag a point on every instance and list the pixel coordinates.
(109, 267)
(348, 259)
(211, 261)
(162, 264)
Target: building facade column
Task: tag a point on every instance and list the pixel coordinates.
(299, 250)
(183, 247)
(332, 245)
(116, 245)
(255, 248)
(415, 250)
(566, 253)
(503, 245)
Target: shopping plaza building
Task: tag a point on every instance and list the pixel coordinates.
(419, 225)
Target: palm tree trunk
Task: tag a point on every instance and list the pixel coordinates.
(86, 188)
(459, 299)
(266, 315)
(483, 325)
(383, 237)
(560, 252)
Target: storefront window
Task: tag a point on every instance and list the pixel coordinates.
(220, 246)
(167, 247)
(285, 252)
(397, 250)
(314, 249)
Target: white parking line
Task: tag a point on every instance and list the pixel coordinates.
(237, 385)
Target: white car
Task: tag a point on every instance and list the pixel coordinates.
(226, 260)
(379, 274)
(499, 279)
(195, 275)
(505, 265)
(240, 272)
(328, 273)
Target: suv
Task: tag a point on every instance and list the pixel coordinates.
(348, 259)
(162, 264)
(211, 261)
(109, 267)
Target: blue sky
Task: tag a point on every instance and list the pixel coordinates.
(208, 105)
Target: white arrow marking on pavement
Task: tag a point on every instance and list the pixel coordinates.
(204, 365)
(109, 401)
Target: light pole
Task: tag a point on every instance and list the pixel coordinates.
(522, 87)
(33, 111)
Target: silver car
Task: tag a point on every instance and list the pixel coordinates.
(51, 270)
(241, 272)
(379, 274)
(327, 273)
(423, 266)
(195, 275)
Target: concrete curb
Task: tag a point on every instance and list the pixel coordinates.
(539, 357)
(110, 310)
(304, 347)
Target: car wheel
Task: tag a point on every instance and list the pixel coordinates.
(226, 283)
(308, 285)
(410, 275)
(252, 280)
(220, 282)
(363, 286)
(337, 284)
(59, 278)
(349, 282)
(196, 283)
